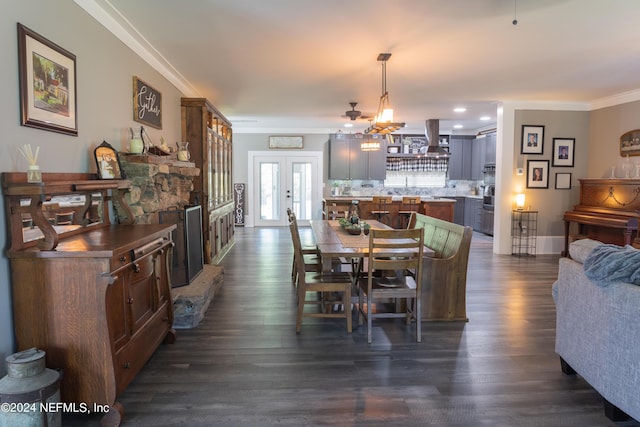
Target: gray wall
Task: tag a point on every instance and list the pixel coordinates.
(105, 68)
(551, 203)
(606, 127)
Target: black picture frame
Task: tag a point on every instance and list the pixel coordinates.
(48, 100)
(563, 152)
(532, 139)
(108, 162)
(147, 104)
(563, 181)
(537, 173)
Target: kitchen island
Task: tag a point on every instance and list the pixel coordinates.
(441, 208)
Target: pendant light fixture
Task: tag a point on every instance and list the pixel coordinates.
(383, 122)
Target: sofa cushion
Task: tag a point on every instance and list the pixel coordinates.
(606, 264)
(580, 249)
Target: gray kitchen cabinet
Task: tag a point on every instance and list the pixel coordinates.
(348, 161)
(458, 210)
(490, 153)
(473, 213)
(478, 154)
(460, 147)
(487, 222)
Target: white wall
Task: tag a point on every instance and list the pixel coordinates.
(105, 70)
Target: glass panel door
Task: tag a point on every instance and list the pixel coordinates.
(286, 181)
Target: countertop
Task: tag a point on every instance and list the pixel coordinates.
(423, 199)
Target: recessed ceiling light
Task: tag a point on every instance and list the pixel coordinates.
(457, 126)
(485, 118)
(459, 109)
(348, 125)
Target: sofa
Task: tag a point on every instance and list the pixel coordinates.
(598, 323)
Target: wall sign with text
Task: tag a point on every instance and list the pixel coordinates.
(147, 104)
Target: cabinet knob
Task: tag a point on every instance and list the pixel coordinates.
(136, 267)
(127, 365)
(123, 259)
(130, 301)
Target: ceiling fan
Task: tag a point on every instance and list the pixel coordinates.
(354, 114)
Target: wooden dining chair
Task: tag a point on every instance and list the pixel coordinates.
(309, 254)
(321, 285)
(394, 273)
(408, 206)
(336, 210)
(380, 209)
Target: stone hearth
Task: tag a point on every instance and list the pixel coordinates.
(190, 303)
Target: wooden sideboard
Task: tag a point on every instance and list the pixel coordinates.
(95, 296)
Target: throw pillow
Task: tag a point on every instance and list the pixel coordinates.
(580, 249)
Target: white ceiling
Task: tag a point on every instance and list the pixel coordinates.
(294, 65)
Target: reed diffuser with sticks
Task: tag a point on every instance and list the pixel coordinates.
(33, 171)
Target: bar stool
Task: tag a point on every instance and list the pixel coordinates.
(380, 209)
(408, 206)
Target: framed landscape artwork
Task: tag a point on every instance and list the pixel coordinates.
(47, 75)
(532, 139)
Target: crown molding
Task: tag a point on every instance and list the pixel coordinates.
(110, 18)
(621, 98)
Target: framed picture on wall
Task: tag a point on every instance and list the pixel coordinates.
(532, 139)
(563, 152)
(537, 173)
(47, 75)
(285, 142)
(563, 181)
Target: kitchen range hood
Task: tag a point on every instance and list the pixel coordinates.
(432, 132)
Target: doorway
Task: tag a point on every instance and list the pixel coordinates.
(288, 179)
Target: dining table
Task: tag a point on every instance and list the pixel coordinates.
(334, 242)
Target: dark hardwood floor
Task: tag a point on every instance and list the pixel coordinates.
(245, 366)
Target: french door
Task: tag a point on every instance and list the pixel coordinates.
(288, 179)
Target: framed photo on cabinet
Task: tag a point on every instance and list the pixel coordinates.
(532, 139)
(537, 173)
(563, 152)
(107, 162)
(47, 75)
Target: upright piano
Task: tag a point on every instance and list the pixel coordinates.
(608, 211)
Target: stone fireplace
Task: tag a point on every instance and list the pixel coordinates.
(159, 183)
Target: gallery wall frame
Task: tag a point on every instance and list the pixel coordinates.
(532, 139)
(537, 173)
(563, 181)
(47, 79)
(563, 152)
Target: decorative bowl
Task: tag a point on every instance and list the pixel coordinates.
(353, 230)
